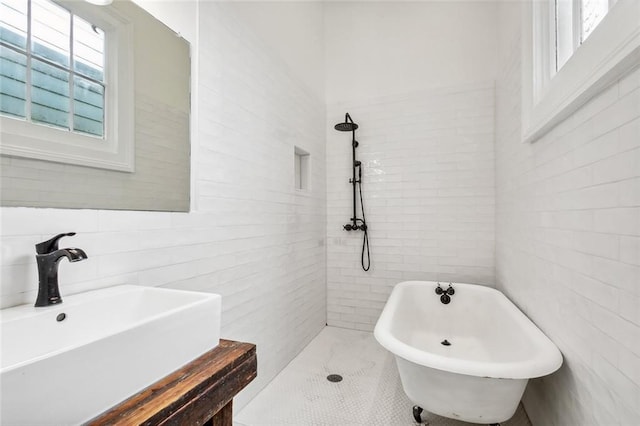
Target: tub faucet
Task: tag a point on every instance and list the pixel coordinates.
(48, 257)
(445, 295)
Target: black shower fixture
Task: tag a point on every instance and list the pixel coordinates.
(356, 224)
(347, 126)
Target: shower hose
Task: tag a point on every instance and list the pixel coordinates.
(365, 228)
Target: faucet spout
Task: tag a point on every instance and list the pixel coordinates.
(48, 290)
(73, 254)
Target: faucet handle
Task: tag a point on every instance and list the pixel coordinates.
(52, 244)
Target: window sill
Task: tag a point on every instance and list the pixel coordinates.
(28, 140)
(609, 53)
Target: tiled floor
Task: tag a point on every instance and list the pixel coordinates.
(370, 394)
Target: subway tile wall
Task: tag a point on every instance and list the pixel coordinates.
(253, 238)
(568, 246)
(428, 189)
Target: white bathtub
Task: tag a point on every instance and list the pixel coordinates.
(494, 350)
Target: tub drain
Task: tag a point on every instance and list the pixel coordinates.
(445, 342)
(335, 378)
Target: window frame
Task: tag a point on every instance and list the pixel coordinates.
(549, 97)
(114, 151)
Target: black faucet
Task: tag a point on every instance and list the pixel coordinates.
(445, 295)
(48, 258)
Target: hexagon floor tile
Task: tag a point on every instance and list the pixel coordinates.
(370, 393)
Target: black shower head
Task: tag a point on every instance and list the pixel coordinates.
(347, 126)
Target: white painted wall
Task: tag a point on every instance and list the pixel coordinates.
(293, 32)
(568, 243)
(250, 237)
(394, 47)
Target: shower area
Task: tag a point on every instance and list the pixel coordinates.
(426, 163)
(424, 150)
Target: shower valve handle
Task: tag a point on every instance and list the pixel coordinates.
(445, 292)
(350, 227)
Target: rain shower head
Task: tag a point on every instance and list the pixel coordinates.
(347, 126)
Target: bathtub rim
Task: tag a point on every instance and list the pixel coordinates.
(547, 360)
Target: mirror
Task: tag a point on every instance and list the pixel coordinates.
(159, 112)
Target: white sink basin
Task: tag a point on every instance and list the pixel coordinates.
(112, 343)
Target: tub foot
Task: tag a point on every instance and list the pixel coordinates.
(416, 413)
(494, 424)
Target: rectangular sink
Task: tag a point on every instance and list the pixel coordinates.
(112, 343)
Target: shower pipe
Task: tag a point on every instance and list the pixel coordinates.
(356, 223)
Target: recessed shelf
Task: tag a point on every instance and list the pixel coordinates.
(301, 165)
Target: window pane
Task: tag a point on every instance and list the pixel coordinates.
(88, 107)
(88, 49)
(51, 44)
(13, 23)
(564, 32)
(13, 89)
(49, 94)
(50, 27)
(592, 13)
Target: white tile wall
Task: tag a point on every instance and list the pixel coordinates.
(428, 182)
(568, 232)
(253, 239)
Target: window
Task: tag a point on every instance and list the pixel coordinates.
(573, 49)
(66, 83)
(51, 67)
(575, 20)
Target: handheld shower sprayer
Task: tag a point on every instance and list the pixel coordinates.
(356, 223)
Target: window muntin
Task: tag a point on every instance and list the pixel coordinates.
(52, 67)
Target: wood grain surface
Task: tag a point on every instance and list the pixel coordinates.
(199, 393)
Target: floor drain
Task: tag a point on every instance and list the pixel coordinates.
(335, 378)
(445, 342)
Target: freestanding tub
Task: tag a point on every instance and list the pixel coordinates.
(494, 349)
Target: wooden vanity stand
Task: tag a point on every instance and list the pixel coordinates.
(200, 393)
